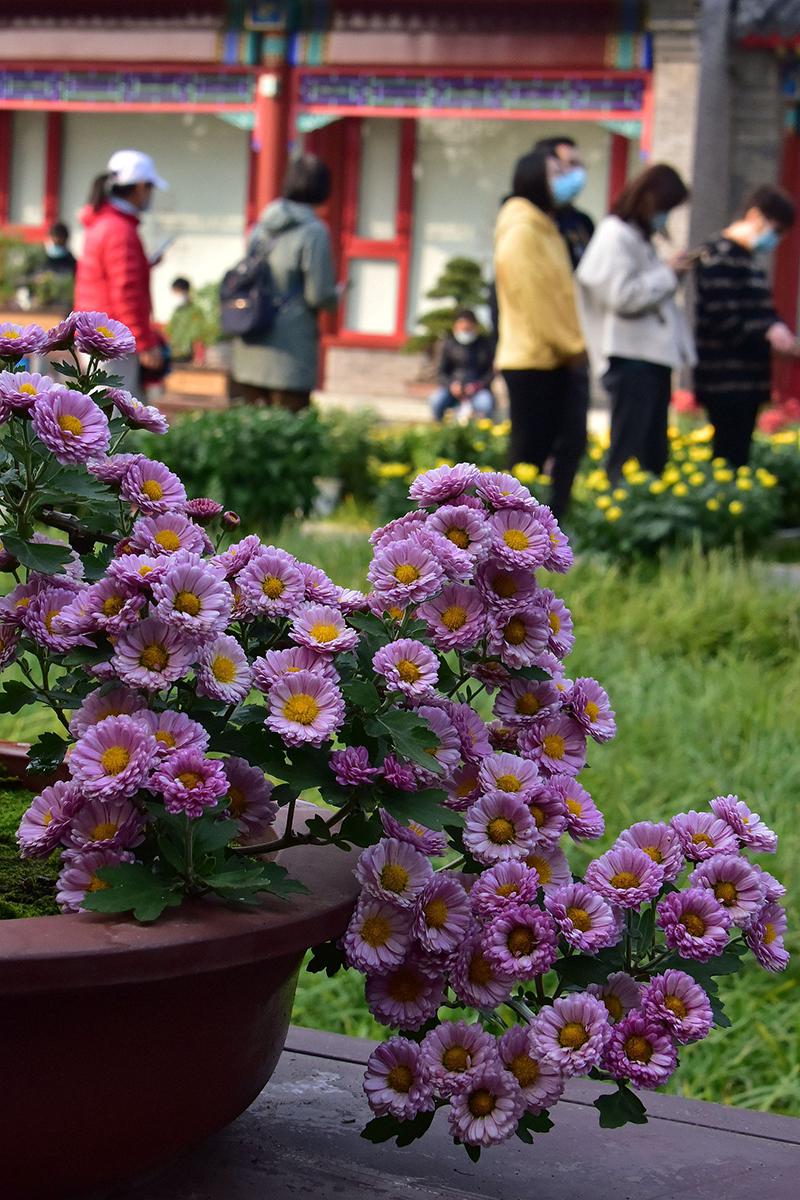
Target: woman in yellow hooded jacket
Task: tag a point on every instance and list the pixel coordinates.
(538, 329)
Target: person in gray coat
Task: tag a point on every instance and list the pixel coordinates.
(280, 367)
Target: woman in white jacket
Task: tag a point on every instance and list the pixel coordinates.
(635, 332)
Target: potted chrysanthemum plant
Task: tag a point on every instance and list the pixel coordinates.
(203, 688)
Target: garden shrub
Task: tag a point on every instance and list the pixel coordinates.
(779, 453)
(260, 462)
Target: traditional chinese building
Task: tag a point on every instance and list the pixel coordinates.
(420, 106)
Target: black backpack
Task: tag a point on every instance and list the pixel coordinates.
(249, 301)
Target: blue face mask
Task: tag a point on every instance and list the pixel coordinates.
(658, 222)
(767, 240)
(566, 187)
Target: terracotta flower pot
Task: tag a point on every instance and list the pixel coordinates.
(122, 1044)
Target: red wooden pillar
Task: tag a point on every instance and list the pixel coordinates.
(270, 135)
(52, 169)
(404, 218)
(786, 373)
(617, 166)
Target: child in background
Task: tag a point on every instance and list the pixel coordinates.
(187, 323)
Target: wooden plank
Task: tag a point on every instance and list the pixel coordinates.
(301, 1138)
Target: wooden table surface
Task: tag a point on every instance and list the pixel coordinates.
(300, 1138)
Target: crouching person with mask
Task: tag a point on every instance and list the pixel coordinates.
(465, 371)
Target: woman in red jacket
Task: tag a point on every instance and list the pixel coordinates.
(113, 273)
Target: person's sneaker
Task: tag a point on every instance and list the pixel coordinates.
(464, 413)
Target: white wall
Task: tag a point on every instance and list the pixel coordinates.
(26, 203)
(461, 173)
(203, 158)
(377, 186)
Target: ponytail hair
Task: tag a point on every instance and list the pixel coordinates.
(98, 192)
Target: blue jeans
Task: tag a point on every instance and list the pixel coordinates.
(482, 403)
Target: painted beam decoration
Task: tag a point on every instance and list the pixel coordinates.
(496, 94)
(125, 87)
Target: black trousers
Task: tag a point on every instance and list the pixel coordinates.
(548, 422)
(734, 419)
(640, 393)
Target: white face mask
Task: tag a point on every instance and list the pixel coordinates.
(464, 337)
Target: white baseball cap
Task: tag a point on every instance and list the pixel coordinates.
(133, 166)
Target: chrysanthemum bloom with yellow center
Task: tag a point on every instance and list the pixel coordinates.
(113, 758)
(224, 671)
(304, 706)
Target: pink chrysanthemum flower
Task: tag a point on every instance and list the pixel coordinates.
(592, 710)
(71, 425)
(455, 618)
(499, 827)
(517, 637)
(249, 797)
(447, 751)
(498, 887)
(239, 555)
(464, 526)
(550, 864)
(79, 876)
(503, 491)
(271, 584)
(485, 1108)
(641, 1050)
(405, 996)
(305, 708)
(583, 817)
(764, 936)
(518, 539)
(277, 664)
(174, 731)
(19, 390)
(192, 596)
(680, 1004)
(101, 824)
(60, 336)
(735, 884)
(399, 774)
(223, 671)
(560, 557)
(747, 825)
(773, 888)
(322, 628)
(405, 572)
(441, 484)
(557, 744)
(398, 529)
(96, 333)
(625, 876)
(152, 488)
(620, 994)
(659, 842)
(472, 731)
(45, 821)
(560, 635)
(503, 588)
(408, 666)
(110, 605)
(520, 941)
(167, 534)
(540, 1082)
(350, 600)
(572, 1032)
(548, 812)
(492, 673)
(203, 510)
(702, 835)
(140, 416)
(694, 923)
(352, 768)
(18, 340)
(393, 870)
(475, 980)
(442, 914)
(456, 564)
(586, 920)
(9, 641)
(190, 782)
(98, 705)
(319, 587)
(503, 737)
(113, 758)
(463, 788)
(378, 936)
(427, 841)
(396, 1080)
(522, 700)
(112, 469)
(152, 655)
(453, 1051)
(505, 772)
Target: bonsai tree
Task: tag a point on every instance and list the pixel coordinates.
(462, 283)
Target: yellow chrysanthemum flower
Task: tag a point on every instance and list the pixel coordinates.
(603, 502)
(680, 489)
(712, 505)
(619, 493)
(736, 507)
(657, 487)
(697, 479)
(614, 513)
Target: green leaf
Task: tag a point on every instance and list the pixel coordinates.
(85, 655)
(94, 565)
(328, 957)
(46, 753)
(134, 888)
(583, 969)
(363, 694)
(530, 1124)
(308, 768)
(530, 673)
(411, 736)
(622, 1107)
(37, 556)
(383, 1129)
(473, 1153)
(16, 695)
(244, 877)
(425, 807)
(366, 623)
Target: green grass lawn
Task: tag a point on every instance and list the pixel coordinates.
(700, 658)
